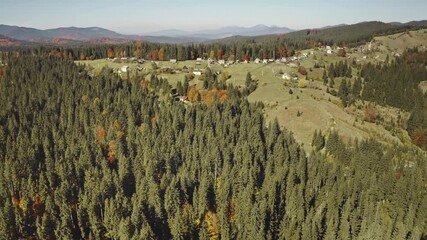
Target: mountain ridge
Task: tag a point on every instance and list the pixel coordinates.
(218, 33)
(82, 35)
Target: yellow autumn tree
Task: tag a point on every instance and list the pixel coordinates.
(192, 94)
(212, 225)
(212, 54)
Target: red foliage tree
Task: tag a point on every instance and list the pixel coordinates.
(419, 137)
(38, 207)
(219, 54)
(154, 55)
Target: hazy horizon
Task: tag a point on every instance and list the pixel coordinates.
(134, 17)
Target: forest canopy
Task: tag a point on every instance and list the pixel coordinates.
(99, 157)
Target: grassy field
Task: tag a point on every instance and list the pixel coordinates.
(309, 107)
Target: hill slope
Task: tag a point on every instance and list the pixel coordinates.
(349, 35)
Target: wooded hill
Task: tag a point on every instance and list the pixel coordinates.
(104, 158)
(345, 35)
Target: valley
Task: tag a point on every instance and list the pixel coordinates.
(319, 109)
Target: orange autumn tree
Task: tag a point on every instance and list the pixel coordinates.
(102, 132)
(209, 97)
(110, 53)
(161, 54)
(111, 153)
(120, 53)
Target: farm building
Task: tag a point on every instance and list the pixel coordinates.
(185, 69)
(124, 69)
(197, 72)
(286, 76)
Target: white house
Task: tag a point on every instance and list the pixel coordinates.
(265, 61)
(286, 76)
(257, 60)
(124, 69)
(329, 51)
(173, 60)
(197, 72)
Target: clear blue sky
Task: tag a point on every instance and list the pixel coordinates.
(130, 16)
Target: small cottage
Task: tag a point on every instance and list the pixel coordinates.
(124, 69)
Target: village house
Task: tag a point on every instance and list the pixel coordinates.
(216, 71)
(124, 69)
(184, 99)
(265, 61)
(286, 76)
(185, 69)
(197, 72)
(257, 60)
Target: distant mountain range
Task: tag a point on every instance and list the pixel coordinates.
(22, 36)
(224, 32)
(75, 35)
(66, 33)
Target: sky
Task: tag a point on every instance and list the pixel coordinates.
(144, 16)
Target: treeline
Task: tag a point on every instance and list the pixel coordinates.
(105, 158)
(164, 52)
